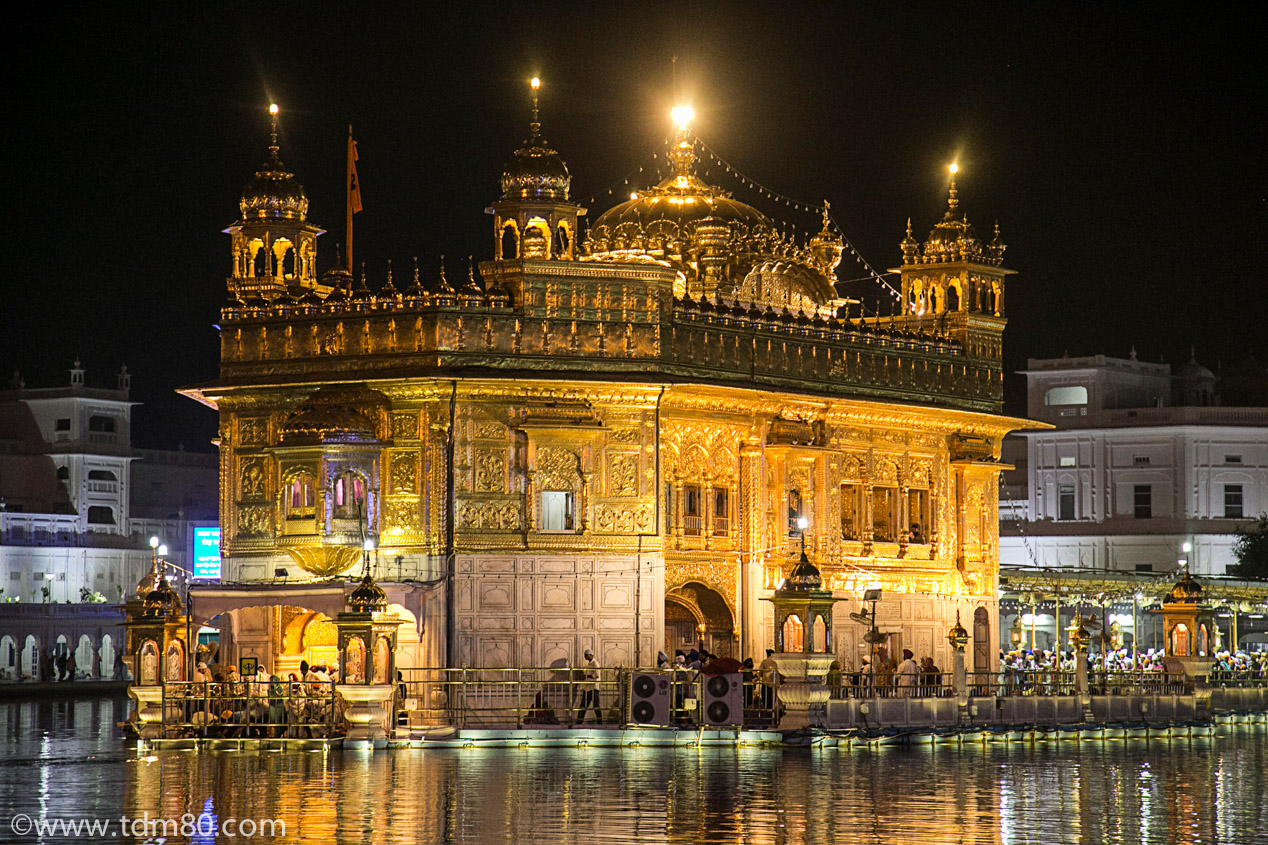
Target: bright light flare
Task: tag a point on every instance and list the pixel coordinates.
(803, 523)
(954, 168)
(535, 83)
(162, 551)
(273, 108)
(368, 545)
(682, 115)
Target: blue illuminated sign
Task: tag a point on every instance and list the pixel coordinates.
(207, 552)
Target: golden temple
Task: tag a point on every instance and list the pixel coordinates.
(605, 438)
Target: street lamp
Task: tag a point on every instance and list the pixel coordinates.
(802, 525)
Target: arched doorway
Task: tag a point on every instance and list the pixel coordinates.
(8, 658)
(697, 616)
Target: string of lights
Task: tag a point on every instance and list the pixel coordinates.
(799, 205)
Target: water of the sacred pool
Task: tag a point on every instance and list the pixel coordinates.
(66, 759)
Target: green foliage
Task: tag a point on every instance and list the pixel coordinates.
(1251, 550)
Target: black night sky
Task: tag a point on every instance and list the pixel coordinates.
(1120, 146)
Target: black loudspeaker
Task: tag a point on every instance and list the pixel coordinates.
(649, 698)
(723, 702)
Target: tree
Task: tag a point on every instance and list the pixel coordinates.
(1251, 550)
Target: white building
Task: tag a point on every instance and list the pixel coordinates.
(1141, 461)
(78, 504)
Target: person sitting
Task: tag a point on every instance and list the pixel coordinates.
(540, 714)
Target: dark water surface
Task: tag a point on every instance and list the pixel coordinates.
(64, 760)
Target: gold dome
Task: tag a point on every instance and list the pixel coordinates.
(536, 172)
(1187, 589)
(368, 597)
(660, 222)
(714, 241)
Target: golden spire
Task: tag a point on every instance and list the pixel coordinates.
(953, 201)
(535, 125)
(273, 147)
(682, 153)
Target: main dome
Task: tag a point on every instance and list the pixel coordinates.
(662, 219)
(715, 242)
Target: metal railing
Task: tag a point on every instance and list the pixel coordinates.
(888, 685)
(242, 709)
(1230, 678)
(529, 697)
(1021, 682)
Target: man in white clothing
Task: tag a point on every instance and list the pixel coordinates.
(908, 674)
(590, 689)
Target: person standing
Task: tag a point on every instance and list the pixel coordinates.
(590, 689)
(907, 673)
(766, 673)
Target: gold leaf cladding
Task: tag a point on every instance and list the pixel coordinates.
(253, 479)
(253, 521)
(625, 435)
(491, 431)
(884, 471)
(557, 469)
(324, 561)
(252, 432)
(623, 476)
(401, 516)
(504, 516)
(918, 474)
(623, 520)
(404, 472)
(490, 472)
(404, 426)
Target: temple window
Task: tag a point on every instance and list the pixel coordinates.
(691, 510)
(101, 475)
(794, 510)
(884, 513)
(101, 424)
(850, 512)
(562, 241)
(721, 511)
(349, 494)
(557, 510)
(299, 497)
(918, 516)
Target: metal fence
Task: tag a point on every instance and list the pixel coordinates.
(888, 685)
(530, 697)
(243, 709)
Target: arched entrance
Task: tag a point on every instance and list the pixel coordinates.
(697, 616)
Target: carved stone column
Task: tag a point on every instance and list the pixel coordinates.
(752, 523)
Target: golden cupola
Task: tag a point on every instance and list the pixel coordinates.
(534, 217)
(721, 246)
(954, 239)
(274, 245)
(273, 193)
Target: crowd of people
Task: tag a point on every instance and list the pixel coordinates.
(221, 702)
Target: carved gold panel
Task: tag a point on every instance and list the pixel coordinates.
(404, 472)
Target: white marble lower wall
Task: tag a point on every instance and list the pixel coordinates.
(535, 609)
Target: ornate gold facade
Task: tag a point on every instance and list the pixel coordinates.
(606, 440)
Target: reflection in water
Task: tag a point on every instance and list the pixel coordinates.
(64, 760)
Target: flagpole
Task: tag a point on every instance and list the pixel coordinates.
(348, 184)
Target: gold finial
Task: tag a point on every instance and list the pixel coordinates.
(909, 227)
(535, 125)
(273, 148)
(682, 116)
(827, 206)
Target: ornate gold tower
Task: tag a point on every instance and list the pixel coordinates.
(274, 245)
(534, 218)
